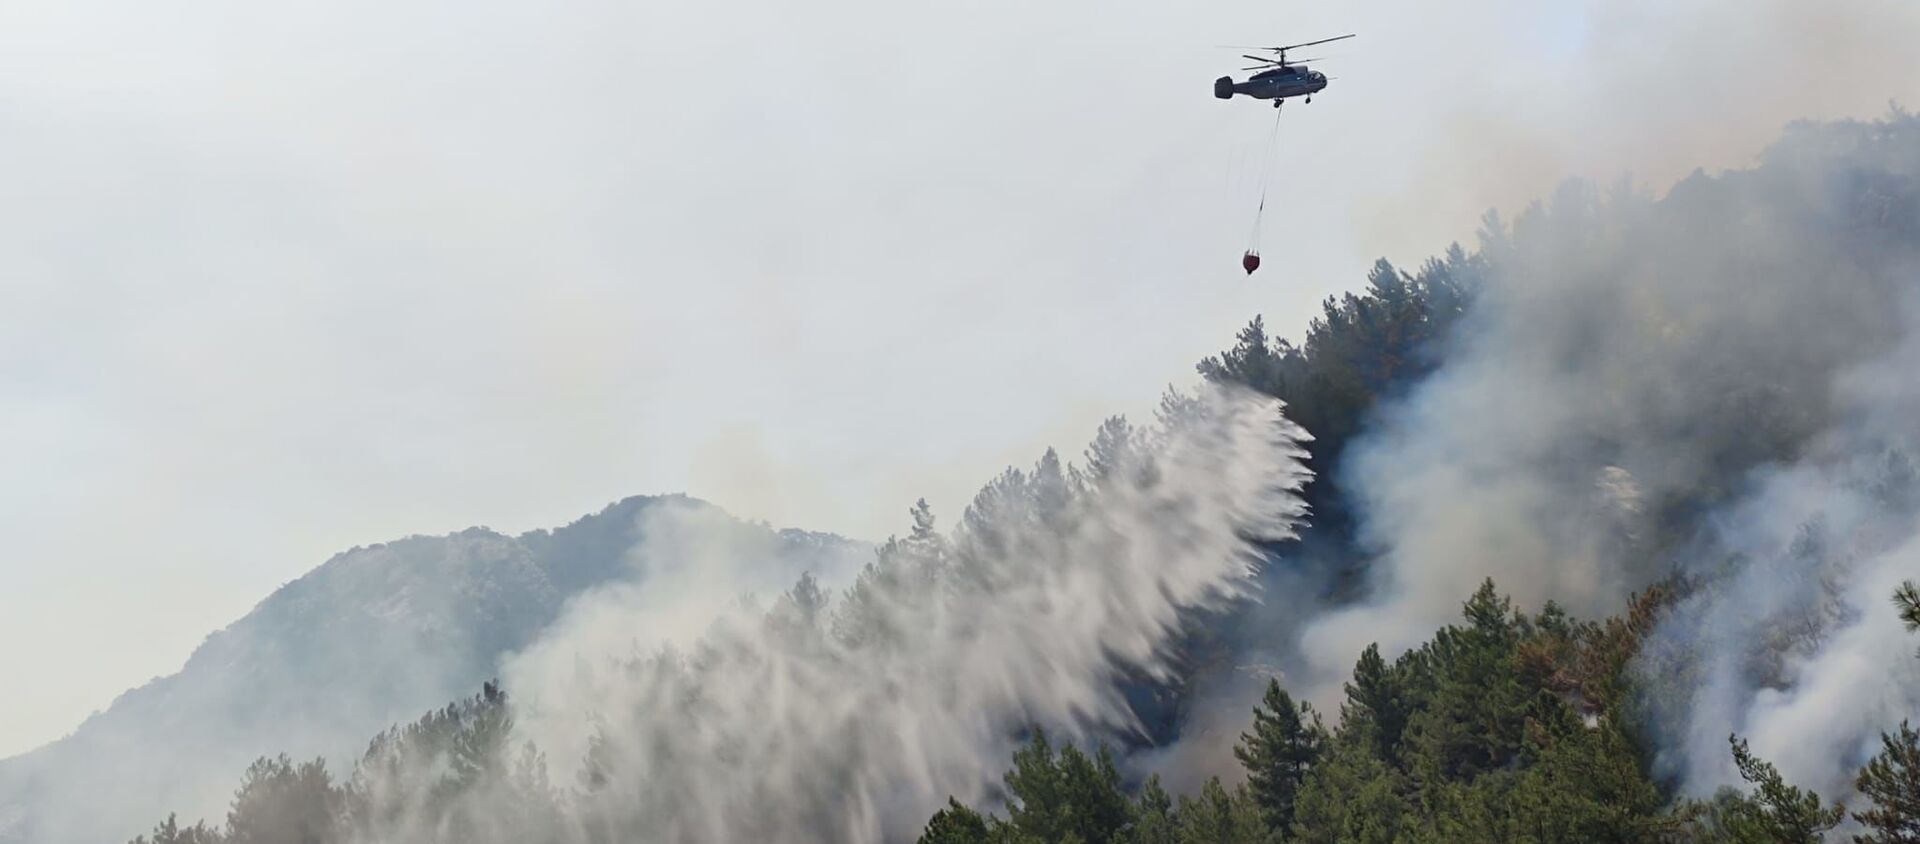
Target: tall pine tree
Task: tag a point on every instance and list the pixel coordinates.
(1892, 781)
(1285, 746)
(1376, 703)
(1776, 813)
(1907, 598)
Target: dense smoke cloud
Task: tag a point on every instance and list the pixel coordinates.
(1790, 632)
(851, 719)
(1647, 387)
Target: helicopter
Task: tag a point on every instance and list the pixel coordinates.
(1278, 78)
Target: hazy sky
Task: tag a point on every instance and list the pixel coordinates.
(279, 279)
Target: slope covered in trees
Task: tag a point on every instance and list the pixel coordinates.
(1363, 348)
(1504, 727)
(371, 636)
(1722, 364)
(838, 716)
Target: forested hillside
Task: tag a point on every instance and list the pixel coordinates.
(1669, 439)
(1504, 727)
(372, 636)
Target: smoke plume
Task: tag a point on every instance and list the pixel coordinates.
(1706, 387)
(1789, 632)
(852, 718)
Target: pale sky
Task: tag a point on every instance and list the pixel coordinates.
(280, 279)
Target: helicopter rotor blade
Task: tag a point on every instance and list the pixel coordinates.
(1275, 63)
(1311, 43)
(1289, 46)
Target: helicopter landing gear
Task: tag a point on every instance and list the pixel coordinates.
(1309, 99)
(1279, 103)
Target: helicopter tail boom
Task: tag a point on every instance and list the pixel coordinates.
(1223, 87)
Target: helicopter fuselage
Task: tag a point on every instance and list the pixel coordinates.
(1276, 84)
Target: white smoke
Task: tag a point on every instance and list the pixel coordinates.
(1792, 632)
(853, 719)
(1650, 387)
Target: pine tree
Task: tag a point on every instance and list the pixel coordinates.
(1219, 816)
(1907, 599)
(1776, 813)
(170, 831)
(1376, 703)
(479, 747)
(1035, 789)
(1051, 491)
(924, 545)
(874, 611)
(1472, 721)
(956, 824)
(991, 528)
(1068, 796)
(1250, 362)
(1283, 748)
(1892, 781)
(1351, 798)
(1154, 819)
(1580, 782)
(1115, 446)
(280, 802)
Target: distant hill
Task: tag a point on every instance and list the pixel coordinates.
(370, 638)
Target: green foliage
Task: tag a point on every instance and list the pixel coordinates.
(1068, 796)
(170, 831)
(956, 824)
(1376, 705)
(1775, 813)
(1283, 748)
(454, 771)
(1891, 781)
(1581, 781)
(450, 776)
(1470, 720)
(1361, 346)
(1907, 599)
(281, 802)
(1504, 727)
(1154, 817)
(1064, 796)
(1354, 797)
(1222, 816)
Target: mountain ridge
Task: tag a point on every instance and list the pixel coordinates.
(368, 638)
